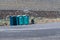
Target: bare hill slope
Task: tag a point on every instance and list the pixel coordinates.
(30, 4)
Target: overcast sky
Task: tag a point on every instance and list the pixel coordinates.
(30, 4)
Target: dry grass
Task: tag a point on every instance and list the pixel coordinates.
(46, 20)
(4, 22)
(37, 21)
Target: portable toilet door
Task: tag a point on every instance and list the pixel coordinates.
(26, 19)
(21, 22)
(11, 20)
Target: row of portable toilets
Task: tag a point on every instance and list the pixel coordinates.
(19, 20)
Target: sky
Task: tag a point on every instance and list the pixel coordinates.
(30, 4)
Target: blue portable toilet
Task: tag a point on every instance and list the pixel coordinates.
(14, 20)
(26, 19)
(11, 20)
(21, 21)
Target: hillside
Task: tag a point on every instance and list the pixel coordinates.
(47, 5)
(47, 14)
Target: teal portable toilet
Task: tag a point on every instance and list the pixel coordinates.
(11, 20)
(21, 21)
(26, 19)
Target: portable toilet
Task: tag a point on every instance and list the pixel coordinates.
(11, 20)
(26, 19)
(17, 19)
(21, 21)
(14, 20)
